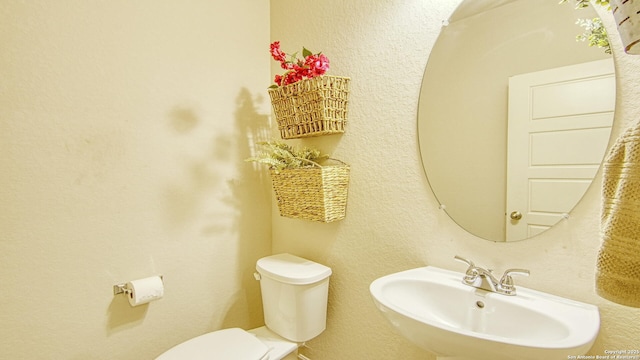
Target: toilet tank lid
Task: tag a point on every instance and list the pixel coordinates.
(233, 343)
(292, 269)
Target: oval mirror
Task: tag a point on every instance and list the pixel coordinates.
(514, 115)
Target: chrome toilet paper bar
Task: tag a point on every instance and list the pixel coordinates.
(119, 289)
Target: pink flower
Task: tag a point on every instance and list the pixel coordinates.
(298, 69)
(318, 64)
(292, 77)
(276, 53)
(301, 71)
(278, 80)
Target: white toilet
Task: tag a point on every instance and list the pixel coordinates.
(294, 299)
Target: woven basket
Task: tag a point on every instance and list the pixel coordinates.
(316, 194)
(311, 107)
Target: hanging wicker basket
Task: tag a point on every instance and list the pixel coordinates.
(317, 194)
(311, 107)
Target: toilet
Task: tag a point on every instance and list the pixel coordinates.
(294, 301)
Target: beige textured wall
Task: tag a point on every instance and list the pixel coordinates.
(123, 125)
(393, 222)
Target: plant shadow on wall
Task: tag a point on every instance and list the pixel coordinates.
(224, 198)
(230, 196)
(250, 195)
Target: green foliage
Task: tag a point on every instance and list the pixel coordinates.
(306, 52)
(278, 156)
(594, 31)
(580, 4)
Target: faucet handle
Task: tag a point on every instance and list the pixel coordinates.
(506, 282)
(468, 262)
(471, 274)
(523, 272)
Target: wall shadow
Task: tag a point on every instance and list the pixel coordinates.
(121, 315)
(251, 195)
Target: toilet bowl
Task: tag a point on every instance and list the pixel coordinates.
(294, 300)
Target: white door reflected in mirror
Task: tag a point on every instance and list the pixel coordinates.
(559, 125)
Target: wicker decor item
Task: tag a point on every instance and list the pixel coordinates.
(316, 194)
(311, 107)
(618, 262)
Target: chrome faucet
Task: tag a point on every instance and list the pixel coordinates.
(483, 278)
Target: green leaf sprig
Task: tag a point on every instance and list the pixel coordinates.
(595, 34)
(279, 156)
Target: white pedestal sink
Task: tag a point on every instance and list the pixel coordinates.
(432, 308)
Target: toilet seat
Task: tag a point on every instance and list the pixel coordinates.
(227, 344)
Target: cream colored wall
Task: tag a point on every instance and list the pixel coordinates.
(123, 125)
(393, 222)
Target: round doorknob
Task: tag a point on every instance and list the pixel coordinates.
(515, 215)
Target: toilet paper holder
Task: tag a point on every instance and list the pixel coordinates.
(122, 288)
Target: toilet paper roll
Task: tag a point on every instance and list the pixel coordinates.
(144, 290)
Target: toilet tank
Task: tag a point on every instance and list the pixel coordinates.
(294, 296)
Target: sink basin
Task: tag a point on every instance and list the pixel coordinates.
(432, 308)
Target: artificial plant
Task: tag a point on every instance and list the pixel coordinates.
(279, 156)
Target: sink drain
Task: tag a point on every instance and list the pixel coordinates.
(479, 304)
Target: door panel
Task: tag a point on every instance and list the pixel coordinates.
(558, 130)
